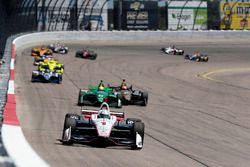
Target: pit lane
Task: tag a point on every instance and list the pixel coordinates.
(189, 121)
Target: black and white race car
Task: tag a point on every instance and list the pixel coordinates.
(103, 128)
(197, 57)
(59, 48)
(131, 96)
(172, 51)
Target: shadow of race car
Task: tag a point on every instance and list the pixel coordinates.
(103, 128)
(86, 54)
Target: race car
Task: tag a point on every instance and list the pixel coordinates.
(131, 96)
(37, 52)
(172, 50)
(199, 58)
(53, 65)
(94, 96)
(44, 74)
(86, 54)
(59, 48)
(42, 58)
(103, 128)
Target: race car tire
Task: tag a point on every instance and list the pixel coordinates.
(59, 80)
(119, 103)
(144, 98)
(32, 79)
(138, 128)
(163, 50)
(93, 57)
(186, 57)
(132, 120)
(70, 121)
(206, 59)
(79, 103)
(78, 54)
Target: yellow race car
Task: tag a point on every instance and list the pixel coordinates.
(52, 64)
(40, 51)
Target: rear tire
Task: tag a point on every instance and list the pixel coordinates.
(59, 80)
(78, 54)
(70, 121)
(206, 59)
(119, 103)
(144, 98)
(80, 99)
(93, 57)
(138, 128)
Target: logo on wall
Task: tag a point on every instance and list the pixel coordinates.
(187, 16)
(136, 6)
(235, 15)
(139, 15)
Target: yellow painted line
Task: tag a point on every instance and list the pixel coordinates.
(206, 75)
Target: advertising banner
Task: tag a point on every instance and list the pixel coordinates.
(235, 15)
(139, 15)
(71, 14)
(187, 15)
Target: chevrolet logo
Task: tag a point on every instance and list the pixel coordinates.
(136, 6)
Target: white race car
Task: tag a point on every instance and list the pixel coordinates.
(59, 48)
(103, 128)
(172, 51)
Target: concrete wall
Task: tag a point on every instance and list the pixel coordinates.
(70, 36)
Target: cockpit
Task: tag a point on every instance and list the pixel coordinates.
(104, 111)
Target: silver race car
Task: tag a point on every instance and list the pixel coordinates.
(59, 48)
(103, 128)
(172, 51)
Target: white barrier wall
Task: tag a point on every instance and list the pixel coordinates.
(68, 36)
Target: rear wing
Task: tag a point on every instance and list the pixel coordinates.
(88, 112)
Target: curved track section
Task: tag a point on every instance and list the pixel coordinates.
(190, 120)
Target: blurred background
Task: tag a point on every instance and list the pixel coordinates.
(18, 16)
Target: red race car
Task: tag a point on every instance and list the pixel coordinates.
(86, 54)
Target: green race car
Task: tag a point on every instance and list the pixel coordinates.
(95, 96)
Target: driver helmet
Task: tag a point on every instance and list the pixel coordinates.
(101, 87)
(123, 85)
(104, 111)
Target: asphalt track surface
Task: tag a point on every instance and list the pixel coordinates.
(197, 114)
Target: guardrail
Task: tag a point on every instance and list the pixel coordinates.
(11, 131)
